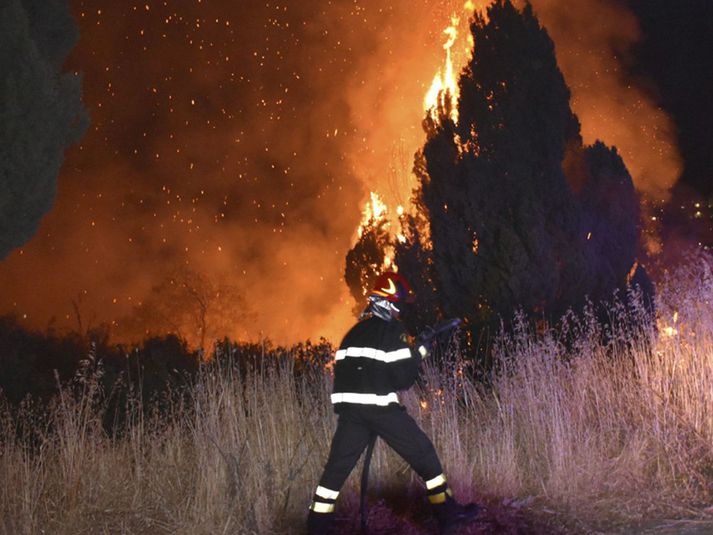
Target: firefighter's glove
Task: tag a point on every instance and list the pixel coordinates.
(424, 341)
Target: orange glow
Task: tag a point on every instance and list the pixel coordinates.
(389, 263)
(666, 330)
(443, 90)
(669, 332)
(246, 205)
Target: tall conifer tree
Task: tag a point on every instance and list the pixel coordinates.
(512, 197)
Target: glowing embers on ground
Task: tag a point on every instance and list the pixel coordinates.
(666, 330)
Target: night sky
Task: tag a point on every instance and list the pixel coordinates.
(240, 140)
(675, 62)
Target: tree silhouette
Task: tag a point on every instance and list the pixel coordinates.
(521, 215)
(611, 214)
(412, 254)
(189, 305)
(512, 211)
(41, 113)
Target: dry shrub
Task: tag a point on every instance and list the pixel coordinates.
(605, 427)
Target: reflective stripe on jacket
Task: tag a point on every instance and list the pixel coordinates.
(373, 362)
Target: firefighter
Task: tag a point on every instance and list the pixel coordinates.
(373, 363)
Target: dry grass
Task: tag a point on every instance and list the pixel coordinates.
(606, 436)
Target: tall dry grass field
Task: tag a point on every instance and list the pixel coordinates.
(604, 431)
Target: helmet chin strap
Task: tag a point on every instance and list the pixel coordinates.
(382, 308)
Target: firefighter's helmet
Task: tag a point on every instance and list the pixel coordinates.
(393, 287)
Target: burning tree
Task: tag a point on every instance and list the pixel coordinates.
(370, 254)
(41, 110)
(521, 215)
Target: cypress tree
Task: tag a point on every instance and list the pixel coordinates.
(521, 215)
(611, 215)
(412, 255)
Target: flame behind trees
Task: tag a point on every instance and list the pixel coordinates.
(376, 248)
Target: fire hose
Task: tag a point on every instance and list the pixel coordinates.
(424, 339)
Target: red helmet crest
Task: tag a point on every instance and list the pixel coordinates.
(393, 287)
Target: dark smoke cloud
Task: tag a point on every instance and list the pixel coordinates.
(238, 140)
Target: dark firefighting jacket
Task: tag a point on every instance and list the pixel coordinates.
(373, 362)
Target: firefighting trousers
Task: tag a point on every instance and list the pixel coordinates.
(394, 426)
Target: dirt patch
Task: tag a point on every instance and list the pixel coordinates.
(399, 516)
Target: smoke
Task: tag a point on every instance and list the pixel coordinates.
(594, 42)
(240, 140)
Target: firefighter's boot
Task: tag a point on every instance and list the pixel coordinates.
(451, 514)
(321, 511)
(319, 523)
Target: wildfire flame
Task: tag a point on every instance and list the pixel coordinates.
(443, 90)
(374, 210)
(444, 87)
